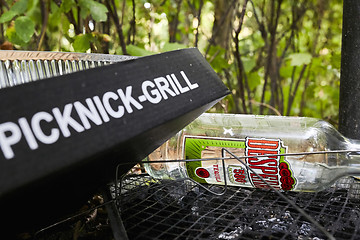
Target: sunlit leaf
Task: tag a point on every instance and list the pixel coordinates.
(34, 13)
(55, 16)
(13, 37)
(137, 51)
(286, 71)
(65, 24)
(97, 10)
(7, 16)
(253, 80)
(84, 12)
(20, 6)
(299, 59)
(24, 28)
(172, 46)
(216, 58)
(249, 64)
(66, 5)
(82, 42)
(336, 60)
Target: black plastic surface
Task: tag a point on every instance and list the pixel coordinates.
(54, 179)
(349, 110)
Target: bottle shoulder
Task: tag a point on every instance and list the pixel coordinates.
(330, 136)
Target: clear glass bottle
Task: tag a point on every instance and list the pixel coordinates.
(256, 136)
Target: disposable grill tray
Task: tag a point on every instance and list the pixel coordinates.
(153, 209)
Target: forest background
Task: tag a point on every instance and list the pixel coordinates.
(279, 57)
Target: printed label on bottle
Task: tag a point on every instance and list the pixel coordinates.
(275, 170)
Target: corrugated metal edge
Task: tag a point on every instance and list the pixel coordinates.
(46, 55)
(19, 67)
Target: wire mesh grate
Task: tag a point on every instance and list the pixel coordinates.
(154, 209)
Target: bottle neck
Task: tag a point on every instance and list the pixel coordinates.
(354, 145)
(353, 158)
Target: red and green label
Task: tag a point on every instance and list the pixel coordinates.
(275, 170)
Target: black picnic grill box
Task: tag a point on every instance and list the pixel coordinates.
(139, 207)
(62, 137)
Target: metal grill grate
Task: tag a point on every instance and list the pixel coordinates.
(153, 209)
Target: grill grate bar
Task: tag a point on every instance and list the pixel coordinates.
(181, 210)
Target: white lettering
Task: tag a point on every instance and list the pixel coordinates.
(172, 84)
(163, 87)
(64, 120)
(101, 109)
(154, 92)
(94, 110)
(191, 86)
(127, 99)
(40, 135)
(182, 89)
(29, 136)
(7, 141)
(106, 101)
(87, 113)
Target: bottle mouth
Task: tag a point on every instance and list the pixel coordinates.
(356, 157)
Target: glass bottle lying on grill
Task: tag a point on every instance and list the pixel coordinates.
(272, 144)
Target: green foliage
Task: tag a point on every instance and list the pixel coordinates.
(254, 80)
(7, 16)
(249, 63)
(82, 42)
(13, 37)
(24, 28)
(97, 10)
(335, 60)
(216, 58)
(137, 51)
(18, 8)
(172, 46)
(292, 70)
(67, 5)
(299, 59)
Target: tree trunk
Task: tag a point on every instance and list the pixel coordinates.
(174, 22)
(224, 13)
